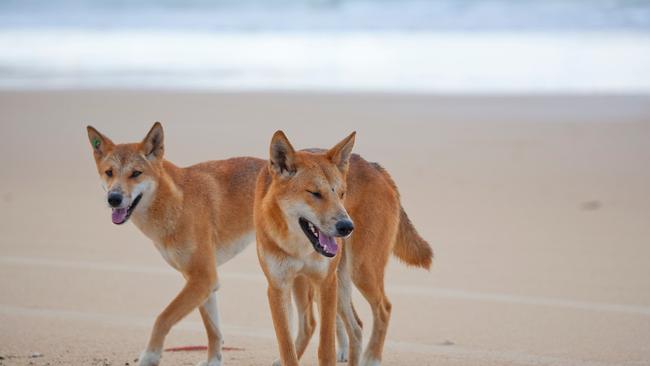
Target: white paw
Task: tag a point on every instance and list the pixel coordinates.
(213, 362)
(371, 362)
(149, 358)
(342, 355)
(277, 362)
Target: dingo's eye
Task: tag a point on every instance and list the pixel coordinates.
(135, 173)
(342, 195)
(109, 172)
(315, 194)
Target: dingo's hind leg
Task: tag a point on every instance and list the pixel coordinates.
(210, 315)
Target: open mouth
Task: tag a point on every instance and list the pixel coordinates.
(323, 244)
(120, 215)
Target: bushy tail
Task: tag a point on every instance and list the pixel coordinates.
(409, 245)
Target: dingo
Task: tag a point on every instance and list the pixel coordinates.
(198, 217)
(306, 199)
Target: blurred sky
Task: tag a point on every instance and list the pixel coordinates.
(446, 46)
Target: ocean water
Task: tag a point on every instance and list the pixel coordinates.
(448, 46)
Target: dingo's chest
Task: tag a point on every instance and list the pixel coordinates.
(225, 252)
(175, 256)
(285, 268)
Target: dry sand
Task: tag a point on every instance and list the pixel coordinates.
(538, 209)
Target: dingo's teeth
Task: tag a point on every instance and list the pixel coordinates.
(313, 229)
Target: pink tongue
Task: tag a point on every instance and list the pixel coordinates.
(119, 215)
(328, 242)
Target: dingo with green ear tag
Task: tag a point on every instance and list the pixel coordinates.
(198, 218)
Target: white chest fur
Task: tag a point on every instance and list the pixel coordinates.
(226, 252)
(282, 270)
(175, 256)
(317, 265)
(178, 255)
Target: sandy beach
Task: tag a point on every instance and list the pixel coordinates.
(537, 207)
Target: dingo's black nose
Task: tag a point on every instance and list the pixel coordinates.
(114, 199)
(344, 227)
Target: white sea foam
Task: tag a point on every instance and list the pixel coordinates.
(445, 62)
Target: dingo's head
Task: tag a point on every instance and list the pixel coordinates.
(310, 188)
(128, 172)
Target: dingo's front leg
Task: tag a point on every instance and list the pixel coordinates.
(303, 293)
(196, 291)
(279, 301)
(328, 310)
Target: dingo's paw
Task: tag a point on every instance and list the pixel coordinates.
(149, 358)
(213, 362)
(371, 362)
(342, 355)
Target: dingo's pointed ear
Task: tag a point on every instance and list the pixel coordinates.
(282, 155)
(100, 143)
(153, 146)
(340, 154)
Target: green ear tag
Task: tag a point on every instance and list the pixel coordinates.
(96, 143)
